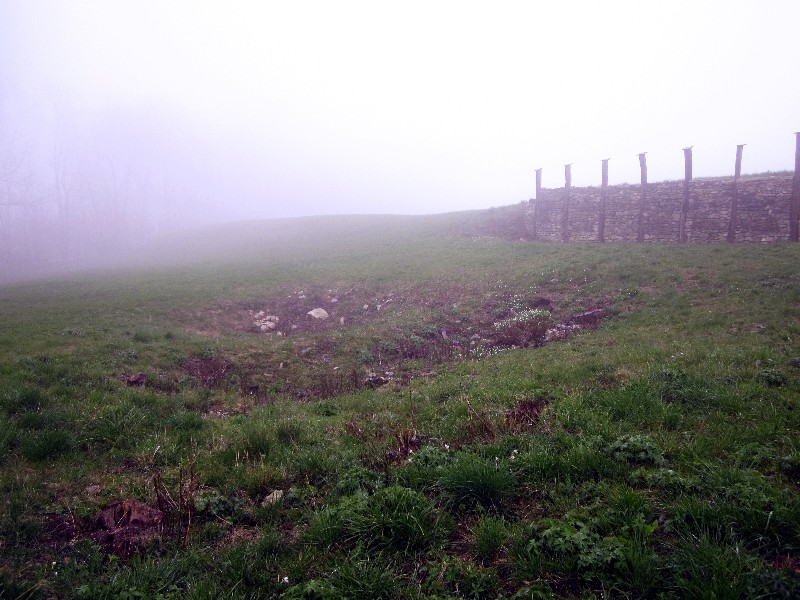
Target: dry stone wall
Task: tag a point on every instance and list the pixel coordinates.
(763, 206)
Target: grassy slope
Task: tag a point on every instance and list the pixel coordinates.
(655, 455)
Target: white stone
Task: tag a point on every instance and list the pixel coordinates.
(273, 498)
(318, 313)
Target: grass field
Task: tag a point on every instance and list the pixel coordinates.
(477, 418)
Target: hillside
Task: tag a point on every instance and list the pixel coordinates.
(476, 417)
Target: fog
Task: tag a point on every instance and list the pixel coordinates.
(124, 121)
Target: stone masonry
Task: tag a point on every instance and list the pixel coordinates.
(763, 208)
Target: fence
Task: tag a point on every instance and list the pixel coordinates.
(737, 209)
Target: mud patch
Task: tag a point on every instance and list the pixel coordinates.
(526, 415)
(127, 527)
(209, 372)
(318, 358)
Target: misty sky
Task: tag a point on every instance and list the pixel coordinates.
(267, 109)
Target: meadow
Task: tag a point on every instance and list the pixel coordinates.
(478, 417)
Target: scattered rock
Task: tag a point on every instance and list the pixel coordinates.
(341, 320)
(264, 322)
(92, 490)
(589, 318)
(318, 313)
(374, 380)
(366, 307)
(273, 498)
(560, 332)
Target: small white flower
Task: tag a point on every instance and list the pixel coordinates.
(285, 581)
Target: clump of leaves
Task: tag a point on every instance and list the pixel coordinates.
(358, 480)
(637, 449)
(214, 504)
(576, 545)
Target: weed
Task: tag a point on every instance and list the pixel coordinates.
(471, 480)
(47, 444)
(704, 568)
(424, 469)
(772, 378)
(393, 518)
(364, 576)
(489, 536)
(289, 432)
(358, 480)
(462, 579)
(637, 450)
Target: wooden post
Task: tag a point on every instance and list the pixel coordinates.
(642, 197)
(735, 199)
(794, 209)
(687, 178)
(567, 186)
(601, 224)
(534, 232)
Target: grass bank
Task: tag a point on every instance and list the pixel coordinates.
(476, 417)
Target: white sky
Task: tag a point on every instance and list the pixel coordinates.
(299, 107)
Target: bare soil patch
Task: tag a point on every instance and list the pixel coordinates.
(453, 323)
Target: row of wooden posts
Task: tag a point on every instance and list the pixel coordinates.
(794, 209)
